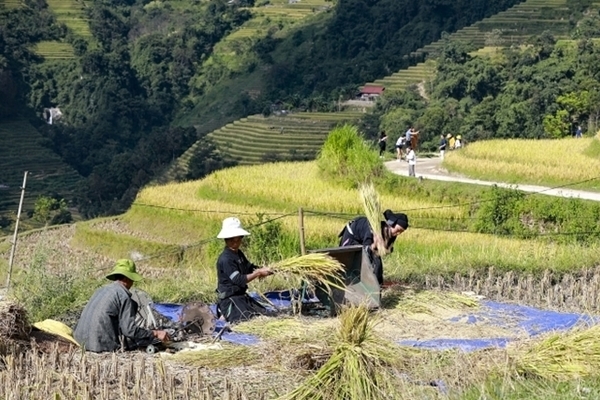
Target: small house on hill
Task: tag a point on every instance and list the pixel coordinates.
(371, 92)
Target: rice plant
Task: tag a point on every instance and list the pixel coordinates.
(360, 367)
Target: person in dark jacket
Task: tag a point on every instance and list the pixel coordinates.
(107, 322)
(358, 232)
(234, 271)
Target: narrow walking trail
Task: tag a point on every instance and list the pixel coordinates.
(431, 168)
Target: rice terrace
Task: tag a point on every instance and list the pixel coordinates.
(222, 210)
(464, 313)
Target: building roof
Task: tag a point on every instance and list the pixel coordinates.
(372, 90)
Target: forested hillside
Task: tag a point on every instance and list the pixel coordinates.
(146, 80)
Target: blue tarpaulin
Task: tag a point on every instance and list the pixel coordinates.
(517, 318)
(520, 319)
(276, 301)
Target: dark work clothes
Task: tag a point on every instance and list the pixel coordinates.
(443, 144)
(234, 304)
(358, 232)
(109, 314)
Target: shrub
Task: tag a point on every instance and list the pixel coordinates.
(346, 156)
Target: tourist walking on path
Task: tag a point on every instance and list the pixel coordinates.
(400, 143)
(443, 144)
(382, 143)
(411, 158)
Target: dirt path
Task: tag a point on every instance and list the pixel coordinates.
(431, 168)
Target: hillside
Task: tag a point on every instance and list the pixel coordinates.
(514, 26)
(21, 150)
(150, 67)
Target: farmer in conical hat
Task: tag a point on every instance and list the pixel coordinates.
(234, 271)
(358, 232)
(108, 320)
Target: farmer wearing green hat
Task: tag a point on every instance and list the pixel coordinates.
(107, 322)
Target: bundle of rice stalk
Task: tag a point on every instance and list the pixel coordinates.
(13, 321)
(316, 268)
(360, 366)
(562, 356)
(372, 207)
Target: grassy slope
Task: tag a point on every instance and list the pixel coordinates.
(20, 151)
(275, 189)
(541, 162)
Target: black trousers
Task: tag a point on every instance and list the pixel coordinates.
(240, 308)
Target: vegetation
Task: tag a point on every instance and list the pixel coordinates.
(121, 74)
(542, 162)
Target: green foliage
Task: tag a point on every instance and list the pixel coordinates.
(499, 212)
(557, 126)
(269, 242)
(347, 157)
(46, 294)
(511, 212)
(51, 211)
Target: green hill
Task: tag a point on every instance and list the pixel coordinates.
(258, 139)
(20, 151)
(513, 26)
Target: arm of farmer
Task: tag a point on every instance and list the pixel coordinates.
(133, 331)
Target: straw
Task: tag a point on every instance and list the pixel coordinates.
(372, 207)
(361, 365)
(562, 356)
(317, 268)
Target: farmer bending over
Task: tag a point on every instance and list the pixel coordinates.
(234, 271)
(108, 320)
(358, 232)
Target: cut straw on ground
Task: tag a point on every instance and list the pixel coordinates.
(361, 365)
(372, 207)
(562, 356)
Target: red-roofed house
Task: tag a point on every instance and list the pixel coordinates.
(371, 92)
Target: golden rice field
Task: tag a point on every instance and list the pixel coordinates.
(191, 212)
(549, 162)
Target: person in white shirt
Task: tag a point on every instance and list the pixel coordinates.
(399, 145)
(411, 158)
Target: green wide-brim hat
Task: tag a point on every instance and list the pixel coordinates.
(126, 268)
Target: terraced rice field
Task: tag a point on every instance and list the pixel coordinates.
(20, 151)
(53, 50)
(256, 139)
(10, 4)
(267, 16)
(516, 24)
(71, 13)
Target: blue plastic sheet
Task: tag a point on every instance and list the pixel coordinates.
(520, 319)
(277, 301)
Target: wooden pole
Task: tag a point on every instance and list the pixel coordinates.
(14, 241)
(301, 225)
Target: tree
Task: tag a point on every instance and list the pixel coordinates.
(51, 211)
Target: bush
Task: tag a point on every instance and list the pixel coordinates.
(346, 156)
(269, 242)
(47, 295)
